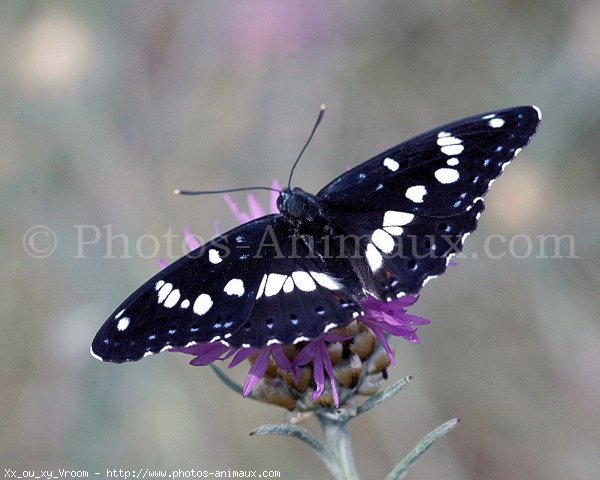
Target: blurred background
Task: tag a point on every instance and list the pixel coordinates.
(106, 107)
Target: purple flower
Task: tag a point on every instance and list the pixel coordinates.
(287, 370)
(390, 318)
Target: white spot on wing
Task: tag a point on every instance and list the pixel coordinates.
(326, 281)
(539, 112)
(487, 117)
(185, 303)
(165, 348)
(452, 162)
(214, 257)
(234, 287)
(274, 283)
(393, 218)
(273, 341)
(159, 284)
(374, 258)
(391, 164)
(383, 240)
(300, 339)
(288, 285)
(95, 356)
(119, 314)
(443, 134)
(517, 151)
(416, 193)
(446, 175)
(449, 140)
(304, 281)
(428, 279)
(148, 353)
(452, 150)
(261, 288)
(202, 304)
(496, 122)
(164, 291)
(329, 326)
(172, 299)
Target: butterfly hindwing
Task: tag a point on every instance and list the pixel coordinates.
(302, 294)
(413, 204)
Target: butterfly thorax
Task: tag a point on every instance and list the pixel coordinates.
(297, 204)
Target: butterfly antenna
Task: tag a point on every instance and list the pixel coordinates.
(210, 192)
(319, 118)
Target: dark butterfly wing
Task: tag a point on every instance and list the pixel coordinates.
(302, 294)
(413, 205)
(254, 286)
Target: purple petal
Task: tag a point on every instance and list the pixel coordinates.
(190, 239)
(319, 376)
(241, 216)
(306, 354)
(162, 263)
(205, 353)
(241, 355)
(257, 371)
(398, 305)
(281, 358)
(256, 209)
(329, 368)
(384, 343)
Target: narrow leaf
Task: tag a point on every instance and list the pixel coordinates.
(406, 464)
(384, 395)
(303, 434)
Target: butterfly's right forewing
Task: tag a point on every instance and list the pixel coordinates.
(413, 205)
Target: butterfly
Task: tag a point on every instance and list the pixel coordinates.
(382, 229)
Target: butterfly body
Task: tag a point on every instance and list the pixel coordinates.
(383, 229)
(299, 206)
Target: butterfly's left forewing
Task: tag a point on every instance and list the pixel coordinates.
(413, 205)
(257, 285)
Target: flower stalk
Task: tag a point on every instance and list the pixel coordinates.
(328, 376)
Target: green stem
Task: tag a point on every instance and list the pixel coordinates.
(337, 437)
